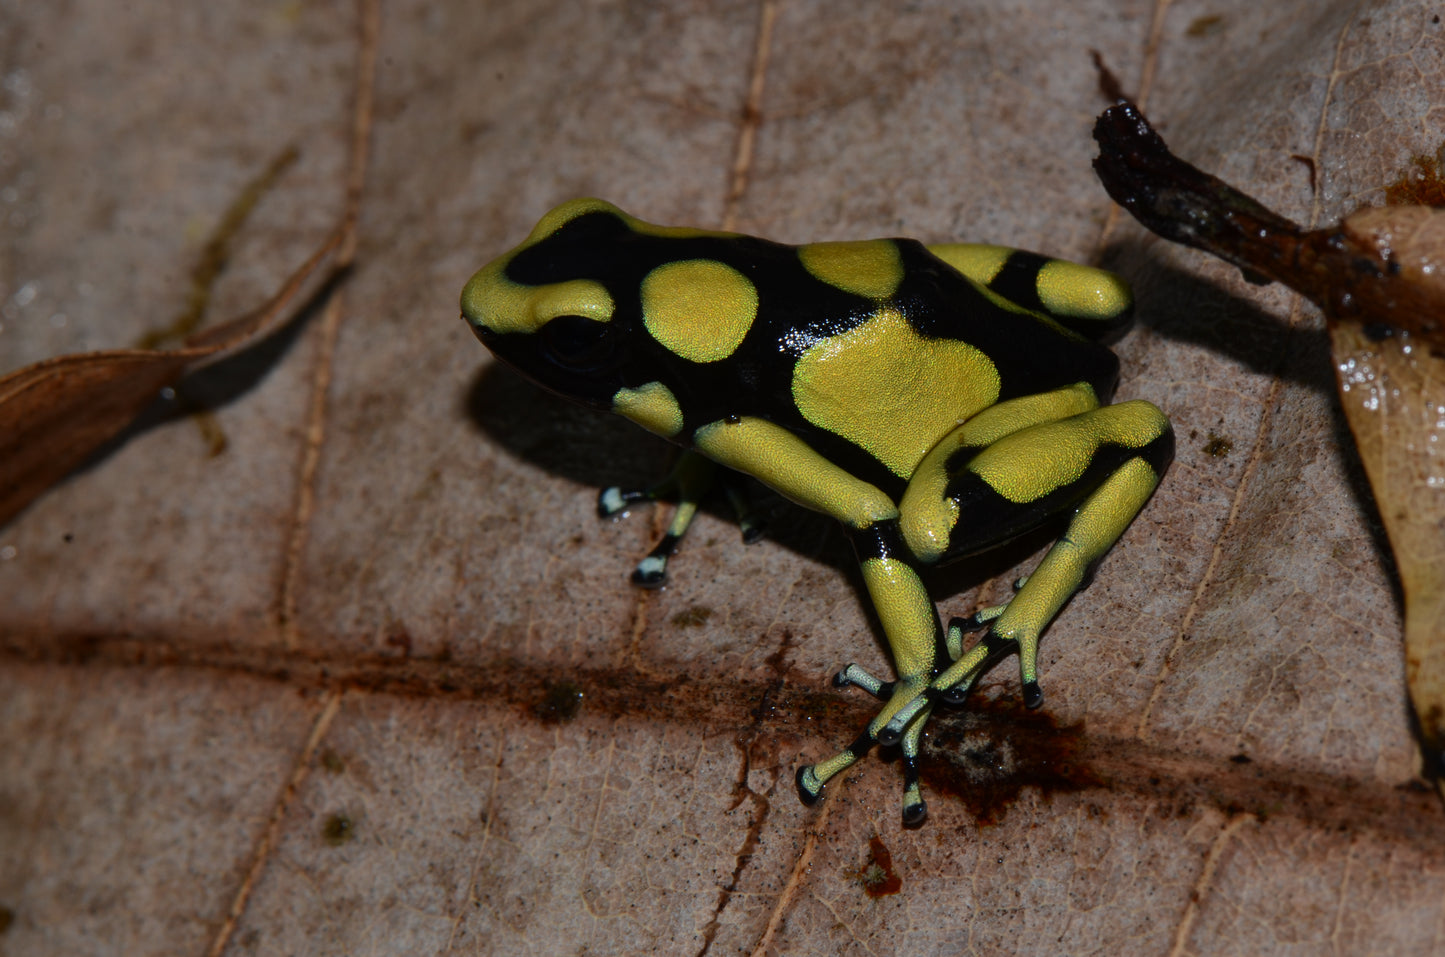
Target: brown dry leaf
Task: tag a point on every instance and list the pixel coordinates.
(1394, 398)
(56, 413)
(319, 694)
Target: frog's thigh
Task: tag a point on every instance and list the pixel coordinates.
(929, 511)
(1026, 466)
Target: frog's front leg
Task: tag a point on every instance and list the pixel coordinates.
(915, 640)
(789, 465)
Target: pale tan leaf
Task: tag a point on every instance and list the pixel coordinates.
(316, 694)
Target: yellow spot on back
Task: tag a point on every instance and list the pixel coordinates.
(890, 391)
(563, 214)
(1069, 289)
(573, 208)
(699, 309)
(869, 268)
(652, 406)
(977, 261)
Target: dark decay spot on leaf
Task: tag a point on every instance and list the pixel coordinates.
(877, 875)
(7, 917)
(1242, 759)
(986, 761)
(1205, 26)
(561, 700)
(399, 638)
(338, 829)
(694, 616)
(1421, 185)
(777, 661)
(332, 761)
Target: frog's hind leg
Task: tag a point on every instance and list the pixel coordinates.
(691, 479)
(1123, 451)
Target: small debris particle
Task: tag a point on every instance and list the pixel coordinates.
(1218, 446)
(338, 830)
(1205, 26)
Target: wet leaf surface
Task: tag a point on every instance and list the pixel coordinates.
(372, 679)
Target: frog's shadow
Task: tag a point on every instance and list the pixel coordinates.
(1216, 319)
(597, 450)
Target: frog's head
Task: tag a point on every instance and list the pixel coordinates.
(543, 309)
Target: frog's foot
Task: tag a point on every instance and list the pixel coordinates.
(691, 479)
(910, 697)
(956, 681)
(651, 572)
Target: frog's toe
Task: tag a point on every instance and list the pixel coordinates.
(651, 572)
(854, 675)
(1029, 671)
(892, 732)
(915, 809)
(812, 777)
(809, 787)
(615, 500)
(956, 695)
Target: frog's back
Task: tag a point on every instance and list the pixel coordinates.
(869, 351)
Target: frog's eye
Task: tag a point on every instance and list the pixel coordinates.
(578, 343)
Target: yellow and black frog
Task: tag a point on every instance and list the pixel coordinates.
(936, 400)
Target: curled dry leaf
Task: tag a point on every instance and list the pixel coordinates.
(1378, 278)
(54, 414)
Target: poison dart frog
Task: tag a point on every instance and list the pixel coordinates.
(936, 400)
